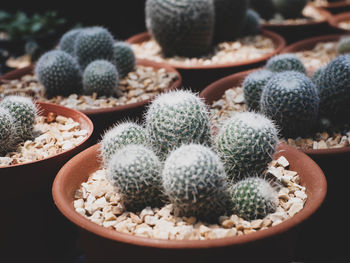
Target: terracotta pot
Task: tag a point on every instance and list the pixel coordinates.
(333, 162)
(198, 77)
(106, 117)
(32, 227)
(103, 244)
(337, 7)
(335, 20)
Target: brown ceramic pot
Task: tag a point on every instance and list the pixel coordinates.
(337, 7)
(106, 117)
(198, 77)
(336, 19)
(102, 244)
(333, 162)
(32, 228)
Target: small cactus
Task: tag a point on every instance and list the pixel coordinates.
(317, 74)
(290, 8)
(135, 171)
(194, 180)
(246, 142)
(67, 41)
(124, 57)
(253, 198)
(7, 131)
(251, 24)
(285, 62)
(176, 118)
(343, 45)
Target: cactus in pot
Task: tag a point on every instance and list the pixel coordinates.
(285, 62)
(7, 131)
(251, 24)
(67, 41)
(124, 57)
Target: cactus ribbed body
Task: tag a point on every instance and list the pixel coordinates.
(285, 62)
(67, 41)
(7, 131)
(251, 24)
(124, 57)
(290, 8)
(317, 74)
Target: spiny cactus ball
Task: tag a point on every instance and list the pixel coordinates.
(119, 136)
(124, 57)
(251, 24)
(194, 180)
(317, 74)
(285, 62)
(290, 8)
(246, 144)
(176, 118)
(181, 27)
(253, 198)
(94, 43)
(67, 41)
(343, 45)
(253, 85)
(136, 173)
(59, 73)
(100, 76)
(7, 131)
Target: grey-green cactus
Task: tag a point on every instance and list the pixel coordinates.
(100, 76)
(290, 99)
(251, 24)
(290, 8)
(67, 41)
(59, 73)
(124, 57)
(181, 27)
(194, 180)
(317, 74)
(135, 171)
(7, 131)
(253, 198)
(246, 144)
(176, 118)
(285, 62)
(343, 45)
(265, 8)
(253, 85)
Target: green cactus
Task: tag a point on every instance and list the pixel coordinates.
(290, 8)
(246, 144)
(265, 8)
(67, 41)
(290, 99)
(100, 76)
(124, 57)
(285, 62)
(251, 24)
(253, 198)
(343, 45)
(181, 27)
(59, 73)
(317, 74)
(7, 131)
(194, 180)
(176, 118)
(253, 85)
(94, 43)
(135, 171)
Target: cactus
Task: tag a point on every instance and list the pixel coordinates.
(181, 27)
(124, 57)
(119, 136)
(176, 118)
(343, 45)
(265, 8)
(290, 8)
(59, 73)
(135, 171)
(100, 76)
(246, 143)
(7, 131)
(253, 198)
(285, 62)
(290, 99)
(94, 43)
(251, 24)
(253, 85)
(23, 112)
(317, 74)
(194, 180)
(229, 18)
(67, 41)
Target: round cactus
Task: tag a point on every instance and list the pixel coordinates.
(124, 57)
(176, 118)
(253, 85)
(343, 45)
(246, 144)
(119, 136)
(265, 8)
(317, 74)
(182, 27)
(67, 41)
(290, 99)
(251, 24)
(94, 43)
(135, 171)
(253, 198)
(23, 112)
(290, 8)
(59, 73)
(7, 131)
(100, 76)
(285, 62)
(194, 180)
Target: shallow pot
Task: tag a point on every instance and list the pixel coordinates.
(102, 244)
(199, 76)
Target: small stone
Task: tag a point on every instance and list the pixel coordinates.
(151, 220)
(282, 161)
(135, 218)
(147, 211)
(256, 223)
(322, 145)
(228, 223)
(79, 203)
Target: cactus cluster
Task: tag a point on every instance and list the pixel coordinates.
(7, 129)
(285, 62)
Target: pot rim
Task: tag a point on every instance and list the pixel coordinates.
(336, 19)
(336, 4)
(64, 204)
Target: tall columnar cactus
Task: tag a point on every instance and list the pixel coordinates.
(181, 27)
(100, 76)
(67, 41)
(59, 73)
(253, 198)
(290, 99)
(285, 62)
(135, 171)
(194, 180)
(343, 45)
(124, 57)
(265, 8)
(7, 131)
(246, 144)
(119, 136)
(251, 24)
(290, 8)
(176, 118)
(229, 18)
(253, 86)
(94, 43)
(23, 112)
